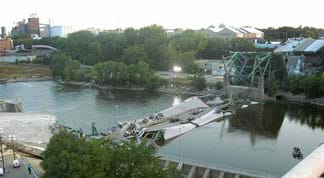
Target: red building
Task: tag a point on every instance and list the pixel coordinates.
(33, 26)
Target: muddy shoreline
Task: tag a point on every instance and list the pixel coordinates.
(25, 79)
(300, 99)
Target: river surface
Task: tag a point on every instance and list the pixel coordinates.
(259, 138)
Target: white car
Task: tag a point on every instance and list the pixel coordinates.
(16, 163)
(1, 171)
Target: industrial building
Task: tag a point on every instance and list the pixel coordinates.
(19, 29)
(3, 32)
(233, 32)
(61, 31)
(302, 55)
(31, 28)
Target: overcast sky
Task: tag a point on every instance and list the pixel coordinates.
(196, 14)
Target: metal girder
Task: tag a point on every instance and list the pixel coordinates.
(246, 67)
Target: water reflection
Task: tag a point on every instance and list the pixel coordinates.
(311, 116)
(262, 119)
(266, 119)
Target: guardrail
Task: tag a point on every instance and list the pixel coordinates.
(218, 167)
(29, 168)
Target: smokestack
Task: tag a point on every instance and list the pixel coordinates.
(3, 32)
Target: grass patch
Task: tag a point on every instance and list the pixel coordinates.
(22, 70)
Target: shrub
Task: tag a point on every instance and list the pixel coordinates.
(312, 86)
(152, 82)
(199, 81)
(218, 85)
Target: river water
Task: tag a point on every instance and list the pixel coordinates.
(259, 138)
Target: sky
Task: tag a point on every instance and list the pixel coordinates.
(194, 14)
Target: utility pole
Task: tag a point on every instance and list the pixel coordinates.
(3, 165)
(12, 138)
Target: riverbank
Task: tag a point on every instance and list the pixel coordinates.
(104, 87)
(300, 98)
(184, 90)
(24, 72)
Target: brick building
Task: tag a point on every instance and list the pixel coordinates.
(33, 26)
(6, 44)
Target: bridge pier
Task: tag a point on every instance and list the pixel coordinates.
(192, 172)
(206, 173)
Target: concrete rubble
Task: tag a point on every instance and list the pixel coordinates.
(34, 128)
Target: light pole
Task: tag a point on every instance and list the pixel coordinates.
(15, 161)
(3, 165)
(12, 138)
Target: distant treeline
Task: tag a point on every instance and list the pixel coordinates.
(283, 33)
(150, 44)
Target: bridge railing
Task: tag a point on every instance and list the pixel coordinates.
(217, 167)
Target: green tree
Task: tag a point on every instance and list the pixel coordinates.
(285, 32)
(154, 40)
(312, 86)
(70, 70)
(143, 71)
(27, 42)
(190, 40)
(238, 44)
(198, 81)
(110, 45)
(295, 85)
(216, 48)
(67, 155)
(134, 54)
(56, 42)
(64, 66)
(78, 44)
(57, 63)
(152, 82)
(131, 36)
(187, 61)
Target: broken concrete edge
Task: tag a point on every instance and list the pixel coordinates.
(34, 151)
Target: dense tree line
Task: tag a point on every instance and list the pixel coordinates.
(218, 47)
(67, 155)
(282, 33)
(150, 44)
(154, 46)
(104, 73)
(312, 86)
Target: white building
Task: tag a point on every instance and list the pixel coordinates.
(212, 66)
(233, 32)
(171, 32)
(61, 31)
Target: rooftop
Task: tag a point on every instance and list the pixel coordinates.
(307, 45)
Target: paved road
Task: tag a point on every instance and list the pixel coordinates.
(211, 79)
(11, 172)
